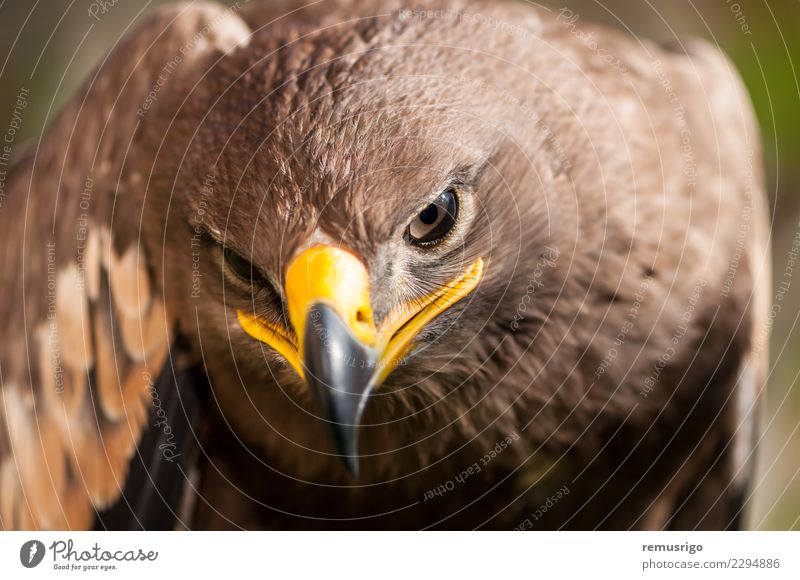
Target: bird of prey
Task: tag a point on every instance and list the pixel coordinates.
(444, 264)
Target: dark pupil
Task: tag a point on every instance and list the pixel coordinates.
(433, 223)
(429, 214)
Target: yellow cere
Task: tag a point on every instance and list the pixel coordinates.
(337, 278)
(332, 276)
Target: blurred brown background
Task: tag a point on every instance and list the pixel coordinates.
(49, 46)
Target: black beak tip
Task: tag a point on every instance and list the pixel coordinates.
(351, 464)
(339, 371)
(345, 442)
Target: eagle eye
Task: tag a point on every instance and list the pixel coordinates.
(434, 223)
(242, 267)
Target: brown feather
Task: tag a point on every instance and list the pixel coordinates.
(78, 507)
(145, 334)
(63, 387)
(130, 285)
(46, 480)
(92, 262)
(338, 125)
(108, 382)
(73, 450)
(9, 482)
(73, 316)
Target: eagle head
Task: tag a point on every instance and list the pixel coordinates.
(343, 236)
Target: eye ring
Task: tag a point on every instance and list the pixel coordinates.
(435, 222)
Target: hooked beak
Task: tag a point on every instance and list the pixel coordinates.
(337, 347)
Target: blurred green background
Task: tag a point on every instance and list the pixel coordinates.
(49, 46)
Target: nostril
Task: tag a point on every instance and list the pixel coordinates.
(361, 316)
